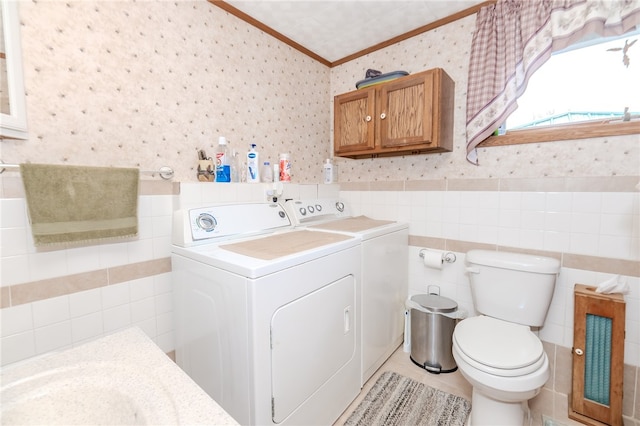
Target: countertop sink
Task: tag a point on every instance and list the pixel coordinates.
(99, 393)
(119, 379)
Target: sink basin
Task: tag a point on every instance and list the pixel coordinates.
(118, 379)
(89, 393)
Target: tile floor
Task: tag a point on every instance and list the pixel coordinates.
(454, 383)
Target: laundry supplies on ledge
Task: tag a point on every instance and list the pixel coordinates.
(80, 204)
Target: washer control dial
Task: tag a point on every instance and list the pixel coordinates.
(206, 222)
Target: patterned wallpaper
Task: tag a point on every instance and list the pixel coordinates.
(149, 83)
(125, 83)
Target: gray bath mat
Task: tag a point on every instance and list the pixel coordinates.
(401, 401)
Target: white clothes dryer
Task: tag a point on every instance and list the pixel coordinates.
(384, 265)
(267, 316)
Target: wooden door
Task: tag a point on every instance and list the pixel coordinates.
(354, 122)
(609, 310)
(405, 112)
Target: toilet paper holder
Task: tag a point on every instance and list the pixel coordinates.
(448, 256)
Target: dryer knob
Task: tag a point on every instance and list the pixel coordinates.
(303, 211)
(340, 206)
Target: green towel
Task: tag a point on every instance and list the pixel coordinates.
(80, 204)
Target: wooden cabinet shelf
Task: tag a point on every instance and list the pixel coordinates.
(409, 115)
(598, 357)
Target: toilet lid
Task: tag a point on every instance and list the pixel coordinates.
(499, 345)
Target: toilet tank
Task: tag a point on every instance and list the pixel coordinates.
(513, 287)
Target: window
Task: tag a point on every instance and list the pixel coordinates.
(588, 90)
(596, 82)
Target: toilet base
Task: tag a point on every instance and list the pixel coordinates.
(486, 411)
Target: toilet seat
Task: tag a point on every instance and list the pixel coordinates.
(498, 347)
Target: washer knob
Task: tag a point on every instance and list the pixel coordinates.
(340, 206)
(207, 222)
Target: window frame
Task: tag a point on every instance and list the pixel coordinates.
(565, 131)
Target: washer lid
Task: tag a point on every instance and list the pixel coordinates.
(498, 344)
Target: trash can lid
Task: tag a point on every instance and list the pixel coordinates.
(435, 303)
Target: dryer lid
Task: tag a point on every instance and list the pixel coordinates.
(498, 344)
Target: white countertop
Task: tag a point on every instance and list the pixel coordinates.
(123, 378)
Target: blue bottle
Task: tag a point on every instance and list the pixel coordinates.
(223, 167)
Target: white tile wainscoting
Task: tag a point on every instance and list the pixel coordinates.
(53, 299)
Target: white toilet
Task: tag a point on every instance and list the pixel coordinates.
(496, 351)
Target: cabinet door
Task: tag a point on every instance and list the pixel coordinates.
(598, 357)
(406, 112)
(354, 121)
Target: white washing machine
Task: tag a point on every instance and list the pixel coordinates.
(267, 316)
(384, 264)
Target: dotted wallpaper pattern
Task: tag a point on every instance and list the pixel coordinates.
(448, 47)
(123, 83)
(126, 83)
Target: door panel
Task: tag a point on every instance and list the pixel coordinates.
(406, 113)
(598, 357)
(354, 121)
(312, 338)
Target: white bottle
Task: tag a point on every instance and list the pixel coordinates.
(253, 165)
(276, 172)
(223, 168)
(266, 174)
(235, 166)
(327, 171)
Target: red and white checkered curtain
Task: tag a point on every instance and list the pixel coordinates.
(513, 38)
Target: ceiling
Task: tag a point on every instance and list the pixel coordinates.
(336, 30)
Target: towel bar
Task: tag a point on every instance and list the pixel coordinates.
(165, 172)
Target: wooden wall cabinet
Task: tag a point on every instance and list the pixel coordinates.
(598, 357)
(409, 115)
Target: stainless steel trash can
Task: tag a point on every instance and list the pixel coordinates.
(433, 319)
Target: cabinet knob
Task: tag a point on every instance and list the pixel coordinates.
(578, 351)
(383, 116)
(368, 118)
